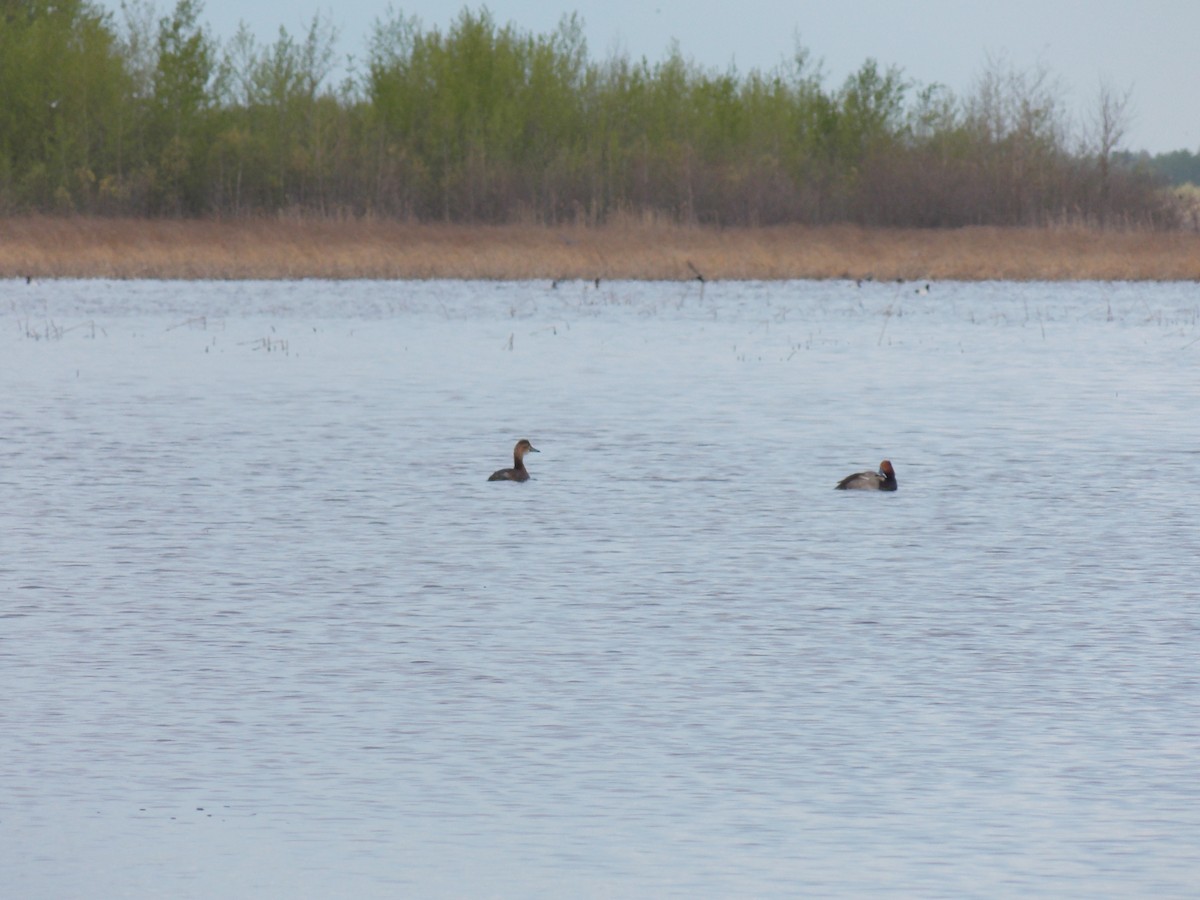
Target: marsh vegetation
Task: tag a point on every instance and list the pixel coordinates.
(645, 248)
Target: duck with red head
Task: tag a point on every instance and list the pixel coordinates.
(883, 480)
(518, 472)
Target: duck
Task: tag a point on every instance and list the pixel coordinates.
(518, 472)
(883, 480)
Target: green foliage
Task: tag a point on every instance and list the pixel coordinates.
(178, 131)
(486, 122)
(63, 83)
(274, 131)
(469, 114)
(1178, 167)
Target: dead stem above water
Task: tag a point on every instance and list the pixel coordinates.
(47, 247)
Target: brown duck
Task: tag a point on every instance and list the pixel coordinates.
(518, 472)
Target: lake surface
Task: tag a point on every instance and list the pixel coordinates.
(266, 630)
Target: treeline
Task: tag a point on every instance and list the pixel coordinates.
(1179, 167)
(488, 123)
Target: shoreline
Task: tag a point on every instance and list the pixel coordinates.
(43, 247)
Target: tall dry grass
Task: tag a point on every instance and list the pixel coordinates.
(631, 248)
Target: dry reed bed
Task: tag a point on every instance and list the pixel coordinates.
(46, 247)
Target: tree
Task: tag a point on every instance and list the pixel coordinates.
(63, 81)
(181, 96)
(1109, 121)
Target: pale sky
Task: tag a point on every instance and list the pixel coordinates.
(1150, 48)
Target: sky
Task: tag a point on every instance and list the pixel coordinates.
(1150, 49)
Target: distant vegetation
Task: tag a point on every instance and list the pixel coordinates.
(487, 123)
(1177, 168)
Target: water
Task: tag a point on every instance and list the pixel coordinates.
(266, 630)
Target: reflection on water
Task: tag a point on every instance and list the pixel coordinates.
(268, 630)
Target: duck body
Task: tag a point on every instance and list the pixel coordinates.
(883, 480)
(518, 472)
